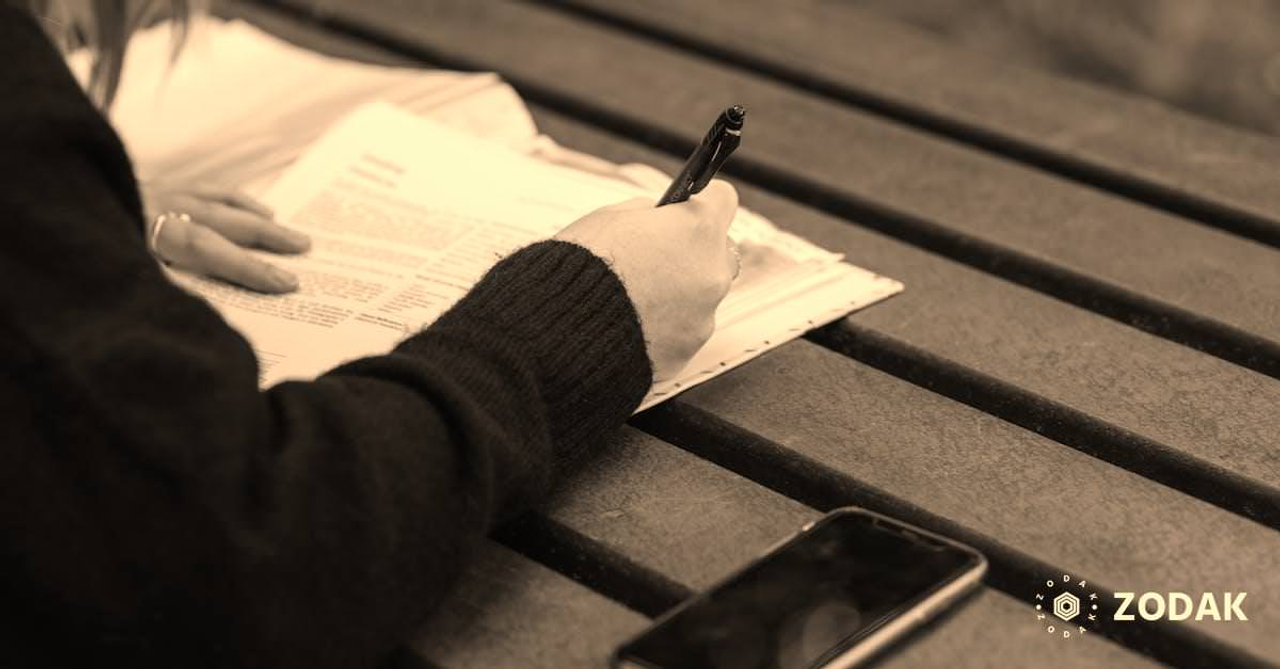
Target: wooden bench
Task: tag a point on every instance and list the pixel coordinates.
(1080, 378)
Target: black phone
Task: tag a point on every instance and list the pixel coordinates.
(833, 595)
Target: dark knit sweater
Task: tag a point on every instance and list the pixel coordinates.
(157, 509)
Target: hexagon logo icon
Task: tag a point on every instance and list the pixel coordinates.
(1066, 606)
(1063, 613)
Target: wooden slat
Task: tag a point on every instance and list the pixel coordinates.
(1156, 271)
(677, 514)
(989, 625)
(1009, 484)
(508, 611)
(1200, 408)
(1129, 381)
(1005, 293)
(1047, 504)
(998, 624)
(696, 522)
(1197, 406)
(1120, 142)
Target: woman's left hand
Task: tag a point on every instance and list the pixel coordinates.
(214, 236)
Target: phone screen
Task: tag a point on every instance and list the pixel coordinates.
(807, 601)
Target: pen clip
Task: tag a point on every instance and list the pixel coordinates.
(724, 146)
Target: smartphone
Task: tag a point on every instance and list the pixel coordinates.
(833, 595)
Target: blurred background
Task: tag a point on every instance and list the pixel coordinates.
(1214, 58)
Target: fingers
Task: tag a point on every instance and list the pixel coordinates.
(196, 248)
(249, 228)
(716, 207)
(221, 222)
(717, 203)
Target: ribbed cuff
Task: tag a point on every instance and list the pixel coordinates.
(563, 309)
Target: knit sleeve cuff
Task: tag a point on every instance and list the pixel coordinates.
(565, 312)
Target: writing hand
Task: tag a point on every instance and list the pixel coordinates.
(676, 262)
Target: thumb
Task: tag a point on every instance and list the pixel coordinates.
(717, 203)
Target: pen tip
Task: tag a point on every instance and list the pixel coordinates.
(735, 115)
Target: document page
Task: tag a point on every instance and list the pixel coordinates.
(406, 214)
(176, 125)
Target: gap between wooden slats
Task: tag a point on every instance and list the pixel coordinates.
(590, 563)
(1127, 185)
(1102, 297)
(1065, 425)
(823, 488)
(648, 592)
(1078, 430)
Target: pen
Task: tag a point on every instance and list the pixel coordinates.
(705, 161)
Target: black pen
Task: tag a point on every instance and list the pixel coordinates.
(705, 161)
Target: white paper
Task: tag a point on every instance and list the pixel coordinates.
(406, 214)
(239, 105)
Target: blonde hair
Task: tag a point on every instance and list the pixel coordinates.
(104, 28)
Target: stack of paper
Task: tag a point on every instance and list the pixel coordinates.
(239, 105)
(411, 199)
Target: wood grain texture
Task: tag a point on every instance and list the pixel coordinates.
(992, 631)
(508, 611)
(891, 271)
(491, 620)
(1118, 141)
(1195, 404)
(669, 510)
(1082, 515)
(836, 148)
(697, 523)
(1001, 481)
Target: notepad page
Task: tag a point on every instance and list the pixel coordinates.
(178, 123)
(406, 215)
(384, 263)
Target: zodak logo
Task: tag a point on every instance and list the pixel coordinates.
(1071, 606)
(1068, 608)
(1178, 606)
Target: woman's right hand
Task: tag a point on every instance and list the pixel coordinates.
(676, 262)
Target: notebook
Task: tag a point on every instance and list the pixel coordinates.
(412, 184)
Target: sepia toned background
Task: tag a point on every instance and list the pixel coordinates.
(1216, 59)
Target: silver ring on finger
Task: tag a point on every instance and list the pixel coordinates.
(157, 224)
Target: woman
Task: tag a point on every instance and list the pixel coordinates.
(157, 509)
